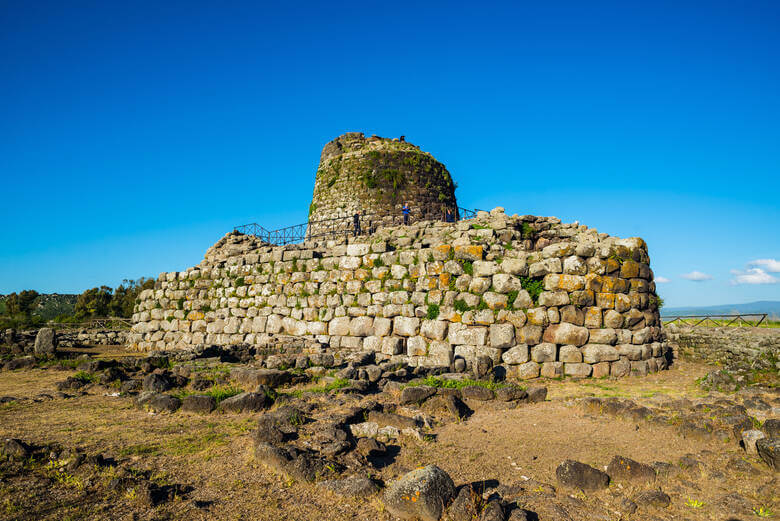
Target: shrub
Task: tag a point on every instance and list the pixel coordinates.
(534, 287)
(468, 267)
(461, 306)
(433, 312)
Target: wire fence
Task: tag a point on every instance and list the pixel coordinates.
(733, 320)
(356, 224)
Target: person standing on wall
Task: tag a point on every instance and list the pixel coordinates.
(449, 217)
(405, 211)
(356, 222)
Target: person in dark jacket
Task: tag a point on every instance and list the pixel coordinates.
(405, 211)
(449, 216)
(356, 222)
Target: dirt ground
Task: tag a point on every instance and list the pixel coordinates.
(519, 448)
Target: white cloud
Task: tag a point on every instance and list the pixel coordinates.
(662, 280)
(696, 276)
(770, 265)
(752, 276)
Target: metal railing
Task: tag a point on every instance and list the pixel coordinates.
(336, 226)
(737, 320)
(96, 323)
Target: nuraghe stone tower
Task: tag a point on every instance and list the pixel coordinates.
(376, 176)
(530, 294)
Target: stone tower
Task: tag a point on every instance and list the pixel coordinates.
(376, 176)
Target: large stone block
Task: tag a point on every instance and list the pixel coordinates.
(416, 346)
(45, 342)
(392, 345)
(406, 326)
(502, 335)
(529, 334)
(570, 354)
(524, 371)
(476, 336)
(339, 326)
(544, 352)
(434, 329)
(594, 353)
(504, 283)
(553, 298)
(577, 370)
(516, 355)
(361, 326)
(565, 333)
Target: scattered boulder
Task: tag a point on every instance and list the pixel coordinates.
(370, 447)
(626, 470)
(537, 394)
(749, 439)
(653, 498)
(245, 402)
(769, 450)
(421, 494)
(476, 392)
(45, 342)
(511, 393)
(573, 474)
(295, 463)
(198, 403)
(416, 394)
(157, 383)
(772, 428)
(353, 486)
(23, 362)
(163, 403)
(15, 449)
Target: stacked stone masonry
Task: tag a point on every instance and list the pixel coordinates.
(376, 176)
(537, 296)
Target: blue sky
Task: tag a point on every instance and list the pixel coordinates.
(134, 136)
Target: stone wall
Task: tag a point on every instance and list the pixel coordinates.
(539, 296)
(732, 347)
(25, 340)
(376, 176)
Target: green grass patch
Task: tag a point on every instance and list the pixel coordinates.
(85, 377)
(433, 312)
(218, 392)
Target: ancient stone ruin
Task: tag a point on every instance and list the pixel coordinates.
(529, 294)
(376, 176)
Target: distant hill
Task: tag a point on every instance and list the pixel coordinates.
(771, 307)
(50, 305)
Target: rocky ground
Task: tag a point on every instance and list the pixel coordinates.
(220, 435)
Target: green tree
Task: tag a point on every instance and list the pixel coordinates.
(21, 303)
(95, 302)
(126, 295)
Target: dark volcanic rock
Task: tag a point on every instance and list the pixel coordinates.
(574, 474)
(198, 403)
(416, 394)
(163, 403)
(245, 402)
(511, 393)
(475, 392)
(654, 498)
(15, 449)
(629, 471)
(769, 451)
(156, 383)
(537, 394)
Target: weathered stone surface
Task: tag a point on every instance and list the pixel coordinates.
(769, 450)
(353, 486)
(565, 333)
(577, 370)
(406, 326)
(198, 403)
(45, 342)
(518, 354)
(416, 394)
(156, 383)
(626, 470)
(573, 474)
(502, 335)
(475, 392)
(594, 353)
(245, 402)
(510, 393)
(421, 494)
(524, 371)
(570, 354)
(544, 352)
